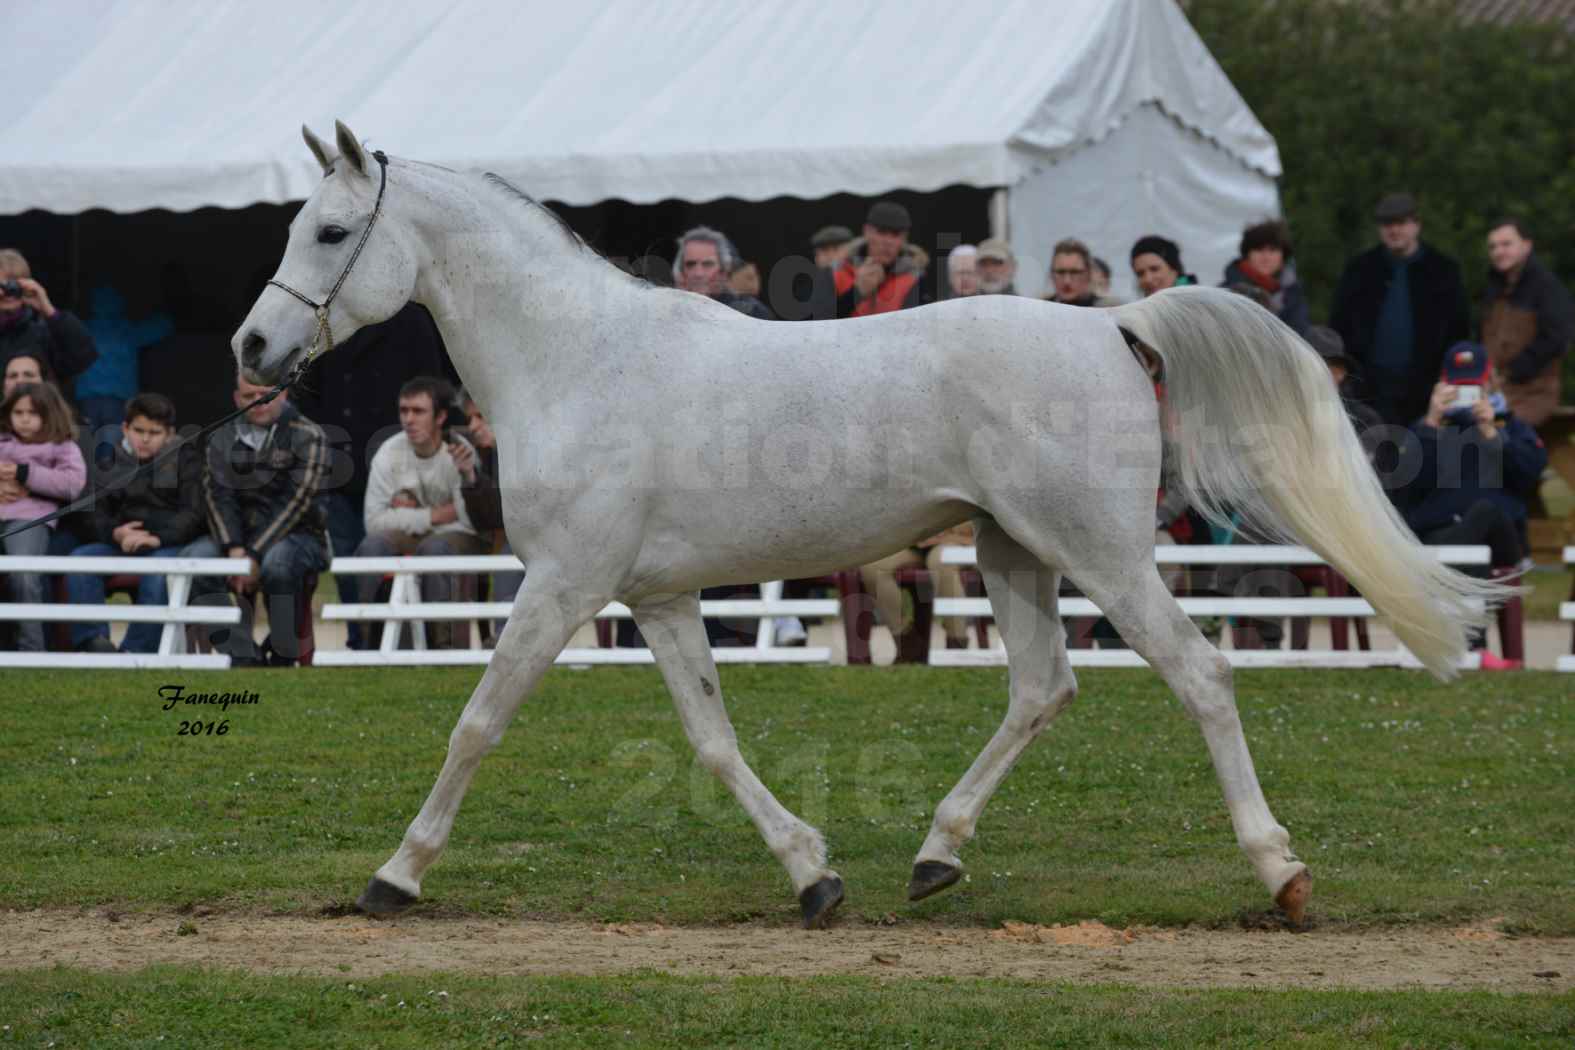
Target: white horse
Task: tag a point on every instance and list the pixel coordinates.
(654, 466)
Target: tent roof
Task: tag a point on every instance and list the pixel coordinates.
(127, 105)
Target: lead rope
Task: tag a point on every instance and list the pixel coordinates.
(322, 343)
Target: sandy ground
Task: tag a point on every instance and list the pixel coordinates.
(354, 946)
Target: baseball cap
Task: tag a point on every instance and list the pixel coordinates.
(996, 248)
(1466, 364)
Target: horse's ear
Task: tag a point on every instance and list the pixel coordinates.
(319, 149)
(349, 148)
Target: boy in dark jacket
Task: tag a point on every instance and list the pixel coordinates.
(1478, 466)
(154, 515)
(1473, 450)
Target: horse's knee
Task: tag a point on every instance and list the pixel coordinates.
(1218, 673)
(473, 738)
(1211, 696)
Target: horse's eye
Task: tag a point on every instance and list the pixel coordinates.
(332, 234)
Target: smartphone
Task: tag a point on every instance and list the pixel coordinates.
(1467, 395)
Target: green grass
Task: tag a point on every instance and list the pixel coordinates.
(168, 1006)
(1411, 801)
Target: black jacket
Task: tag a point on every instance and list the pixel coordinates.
(353, 392)
(1440, 317)
(255, 499)
(167, 500)
(747, 305)
(63, 343)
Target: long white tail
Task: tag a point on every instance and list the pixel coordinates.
(1259, 432)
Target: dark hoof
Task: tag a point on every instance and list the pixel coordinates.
(931, 876)
(819, 901)
(383, 898)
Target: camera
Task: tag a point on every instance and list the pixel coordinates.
(455, 425)
(1467, 395)
(11, 287)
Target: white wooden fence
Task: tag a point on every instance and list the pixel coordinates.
(175, 616)
(404, 606)
(1246, 554)
(1567, 614)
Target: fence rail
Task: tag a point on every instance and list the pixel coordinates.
(175, 615)
(406, 609)
(1567, 613)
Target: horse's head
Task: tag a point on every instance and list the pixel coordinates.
(321, 268)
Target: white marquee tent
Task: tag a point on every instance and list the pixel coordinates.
(1104, 119)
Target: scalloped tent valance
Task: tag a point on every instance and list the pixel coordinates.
(125, 105)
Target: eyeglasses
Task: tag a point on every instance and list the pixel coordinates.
(1069, 273)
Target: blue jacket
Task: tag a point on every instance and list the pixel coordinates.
(1459, 466)
(119, 341)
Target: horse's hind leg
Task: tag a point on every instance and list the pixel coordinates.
(673, 629)
(546, 614)
(1148, 617)
(1022, 592)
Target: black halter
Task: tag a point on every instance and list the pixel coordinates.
(321, 344)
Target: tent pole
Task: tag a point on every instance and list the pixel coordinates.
(998, 214)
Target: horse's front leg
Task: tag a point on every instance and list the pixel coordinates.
(673, 629)
(547, 612)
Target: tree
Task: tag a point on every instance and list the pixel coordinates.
(1369, 97)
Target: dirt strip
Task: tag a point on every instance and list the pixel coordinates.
(357, 947)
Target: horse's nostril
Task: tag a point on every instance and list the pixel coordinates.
(252, 349)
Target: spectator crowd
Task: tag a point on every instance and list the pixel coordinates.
(379, 453)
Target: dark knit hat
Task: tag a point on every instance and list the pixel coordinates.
(889, 215)
(1170, 251)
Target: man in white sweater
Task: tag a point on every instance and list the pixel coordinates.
(413, 502)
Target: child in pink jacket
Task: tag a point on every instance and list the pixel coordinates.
(41, 469)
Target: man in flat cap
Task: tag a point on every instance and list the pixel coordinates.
(831, 244)
(882, 271)
(1398, 307)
